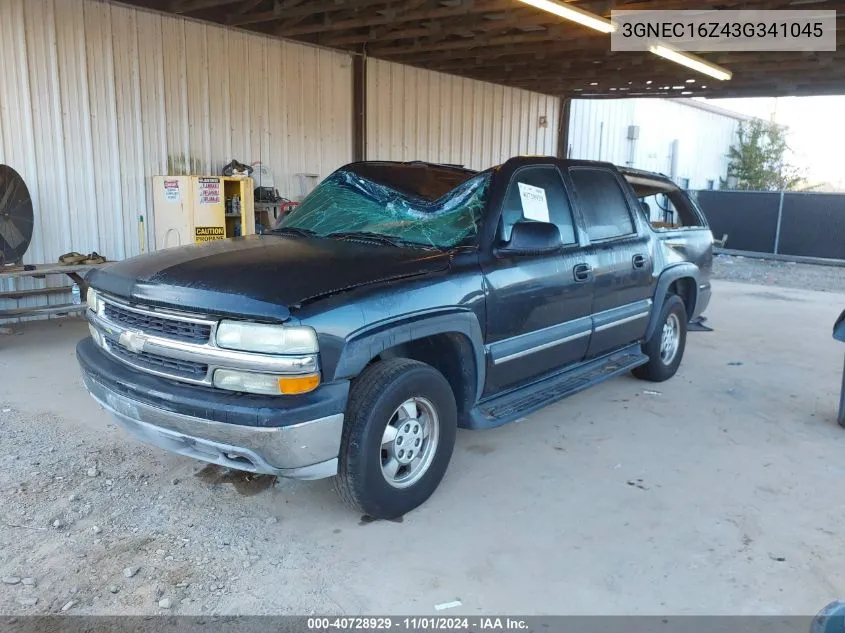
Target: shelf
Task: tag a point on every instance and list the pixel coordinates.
(21, 294)
(55, 309)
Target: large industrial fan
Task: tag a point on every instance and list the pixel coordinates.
(16, 217)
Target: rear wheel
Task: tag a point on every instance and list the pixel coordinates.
(665, 348)
(398, 437)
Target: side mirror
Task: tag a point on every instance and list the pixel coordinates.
(531, 238)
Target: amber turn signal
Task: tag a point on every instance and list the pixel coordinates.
(292, 385)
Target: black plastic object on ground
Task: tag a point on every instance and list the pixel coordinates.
(697, 325)
(16, 217)
(839, 335)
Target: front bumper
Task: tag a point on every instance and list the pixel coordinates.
(304, 449)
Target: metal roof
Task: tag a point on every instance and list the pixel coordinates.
(509, 43)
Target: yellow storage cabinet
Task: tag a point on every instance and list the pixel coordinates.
(196, 209)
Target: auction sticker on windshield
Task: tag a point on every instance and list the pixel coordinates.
(534, 205)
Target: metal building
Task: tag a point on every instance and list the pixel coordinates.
(682, 138)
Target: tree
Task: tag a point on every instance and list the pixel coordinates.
(758, 161)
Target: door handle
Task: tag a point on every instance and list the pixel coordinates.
(582, 272)
(638, 261)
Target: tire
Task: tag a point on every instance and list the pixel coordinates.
(662, 366)
(388, 393)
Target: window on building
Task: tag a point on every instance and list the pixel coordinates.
(684, 183)
(602, 202)
(523, 204)
(711, 184)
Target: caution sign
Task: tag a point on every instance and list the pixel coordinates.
(209, 233)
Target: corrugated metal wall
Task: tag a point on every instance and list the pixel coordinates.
(599, 131)
(95, 98)
(415, 114)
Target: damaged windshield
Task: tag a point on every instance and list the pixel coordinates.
(442, 209)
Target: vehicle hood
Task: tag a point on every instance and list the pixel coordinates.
(259, 276)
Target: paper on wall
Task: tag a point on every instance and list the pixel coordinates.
(171, 191)
(534, 205)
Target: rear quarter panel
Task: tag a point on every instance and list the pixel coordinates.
(689, 244)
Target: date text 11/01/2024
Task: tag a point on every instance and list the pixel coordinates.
(418, 623)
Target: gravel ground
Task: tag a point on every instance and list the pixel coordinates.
(88, 526)
(778, 273)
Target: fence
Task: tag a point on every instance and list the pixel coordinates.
(782, 223)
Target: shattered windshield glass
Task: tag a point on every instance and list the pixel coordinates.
(347, 203)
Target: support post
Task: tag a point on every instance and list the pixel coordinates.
(359, 107)
(563, 127)
(777, 228)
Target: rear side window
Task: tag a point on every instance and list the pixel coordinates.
(536, 193)
(602, 202)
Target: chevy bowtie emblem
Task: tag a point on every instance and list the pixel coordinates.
(133, 341)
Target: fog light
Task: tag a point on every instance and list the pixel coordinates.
(269, 384)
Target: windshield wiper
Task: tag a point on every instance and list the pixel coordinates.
(398, 242)
(292, 230)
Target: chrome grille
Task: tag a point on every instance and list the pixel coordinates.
(150, 323)
(154, 362)
(179, 345)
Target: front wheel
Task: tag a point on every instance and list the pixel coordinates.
(398, 437)
(665, 348)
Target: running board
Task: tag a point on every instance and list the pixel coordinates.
(515, 404)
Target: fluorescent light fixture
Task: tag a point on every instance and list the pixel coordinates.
(691, 61)
(573, 14)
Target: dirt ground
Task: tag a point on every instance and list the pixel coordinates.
(718, 492)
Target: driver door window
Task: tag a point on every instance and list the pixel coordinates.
(536, 194)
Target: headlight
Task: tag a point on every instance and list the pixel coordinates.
(265, 383)
(93, 300)
(270, 339)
